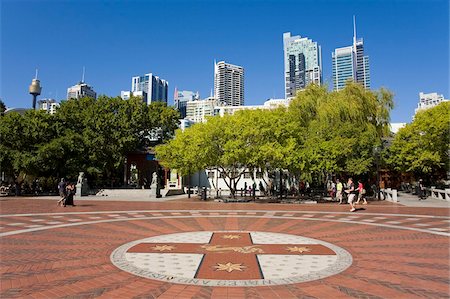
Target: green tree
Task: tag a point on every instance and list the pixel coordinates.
(338, 129)
(321, 132)
(163, 118)
(233, 144)
(84, 135)
(423, 147)
(21, 136)
(106, 129)
(2, 107)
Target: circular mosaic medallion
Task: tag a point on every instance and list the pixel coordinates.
(231, 258)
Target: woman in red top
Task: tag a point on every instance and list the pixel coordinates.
(361, 192)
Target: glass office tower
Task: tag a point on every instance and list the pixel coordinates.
(302, 63)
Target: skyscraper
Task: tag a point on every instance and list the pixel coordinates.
(81, 90)
(151, 88)
(229, 83)
(181, 97)
(350, 63)
(302, 63)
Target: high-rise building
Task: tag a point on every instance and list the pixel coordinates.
(181, 97)
(302, 63)
(349, 63)
(151, 88)
(81, 90)
(48, 105)
(429, 100)
(197, 111)
(229, 83)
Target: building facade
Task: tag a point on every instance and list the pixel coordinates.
(350, 63)
(269, 104)
(185, 123)
(81, 90)
(126, 95)
(197, 111)
(182, 97)
(429, 100)
(229, 83)
(302, 63)
(48, 105)
(151, 88)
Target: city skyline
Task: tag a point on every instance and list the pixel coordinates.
(187, 44)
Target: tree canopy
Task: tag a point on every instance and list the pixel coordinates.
(91, 135)
(2, 107)
(319, 132)
(423, 147)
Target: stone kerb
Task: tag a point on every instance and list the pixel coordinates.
(390, 194)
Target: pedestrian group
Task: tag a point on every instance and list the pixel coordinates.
(66, 192)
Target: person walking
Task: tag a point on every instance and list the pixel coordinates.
(361, 193)
(62, 192)
(422, 190)
(70, 191)
(333, 190)
(351, 193)
(339, 188)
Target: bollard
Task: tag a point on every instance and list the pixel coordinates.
(203, 193)
(394, 195)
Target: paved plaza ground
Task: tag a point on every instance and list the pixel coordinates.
(185, 248)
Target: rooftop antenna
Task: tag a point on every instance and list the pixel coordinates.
(82, 78)
(36, 76)
(354, 30)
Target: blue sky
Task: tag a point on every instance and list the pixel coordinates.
(407, 42)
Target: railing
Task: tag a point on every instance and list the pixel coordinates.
(439, 193)
(389, 194)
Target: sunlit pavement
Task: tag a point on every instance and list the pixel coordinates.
(192, 249)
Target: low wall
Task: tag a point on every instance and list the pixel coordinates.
(125, 193)
(390, 194)
(440, 193)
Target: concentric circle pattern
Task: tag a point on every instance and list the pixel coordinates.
(231, 258)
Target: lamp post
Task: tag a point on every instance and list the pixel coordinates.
(189, 183)
(377, 150)
(125, 167)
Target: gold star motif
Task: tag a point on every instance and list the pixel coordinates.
(163, 247)
(298, 249)
(229, 267)
(231, 237)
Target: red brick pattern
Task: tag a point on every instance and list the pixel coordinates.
(399, 253)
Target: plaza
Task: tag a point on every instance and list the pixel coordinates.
(187, 248)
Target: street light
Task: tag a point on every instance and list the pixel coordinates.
(377, 151)
(189, 183)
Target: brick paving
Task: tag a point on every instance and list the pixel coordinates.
(55, 252)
